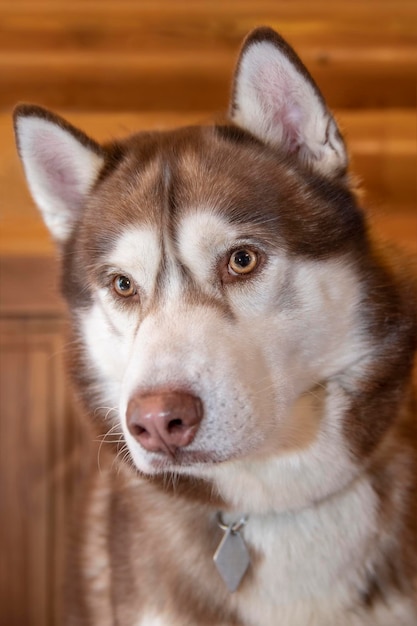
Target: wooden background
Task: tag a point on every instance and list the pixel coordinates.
(114, 66)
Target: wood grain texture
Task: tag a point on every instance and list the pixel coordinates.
(164, 55)
(40, 448)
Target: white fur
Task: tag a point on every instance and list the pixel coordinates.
(338, 533)
(155, 620)
(158, 620)
(290, 480)
(203, 236)
(138, 254)
(59, 169)
(240, 370)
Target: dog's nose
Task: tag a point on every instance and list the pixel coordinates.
(164, 422)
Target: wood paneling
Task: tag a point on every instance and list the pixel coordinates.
(166, 55)
(29, 286)
(40, 464)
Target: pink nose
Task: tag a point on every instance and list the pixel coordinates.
(164, 422)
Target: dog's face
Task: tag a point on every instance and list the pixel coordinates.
(210, 275)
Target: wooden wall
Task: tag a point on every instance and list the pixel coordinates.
(179, 54)
(113, 66)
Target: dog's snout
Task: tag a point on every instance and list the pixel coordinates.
(164, 422)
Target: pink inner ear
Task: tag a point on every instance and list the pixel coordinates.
(281, 102)
(58, 166)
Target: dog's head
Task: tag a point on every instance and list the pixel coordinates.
(211, 278)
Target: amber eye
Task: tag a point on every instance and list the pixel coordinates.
(123, 286)
(243, 261)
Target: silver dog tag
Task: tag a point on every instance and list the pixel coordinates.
(232, 558)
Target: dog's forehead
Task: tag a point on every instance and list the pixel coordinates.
(199, 176)
(160, 175)
(162, 179)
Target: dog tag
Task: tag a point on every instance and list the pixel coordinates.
(232, 558)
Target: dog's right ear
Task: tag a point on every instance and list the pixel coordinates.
(61, 165)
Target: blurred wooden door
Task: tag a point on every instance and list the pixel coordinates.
(33, 448)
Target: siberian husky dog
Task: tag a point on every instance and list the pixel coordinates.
(255, 347)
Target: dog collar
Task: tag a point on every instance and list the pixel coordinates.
(232, 557)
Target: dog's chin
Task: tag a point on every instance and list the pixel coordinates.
(182, 462)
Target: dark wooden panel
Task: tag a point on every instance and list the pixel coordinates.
(29, 286)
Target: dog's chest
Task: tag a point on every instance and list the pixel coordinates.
(301, 561)
(306, 567)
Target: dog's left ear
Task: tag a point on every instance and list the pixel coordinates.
(276, 99)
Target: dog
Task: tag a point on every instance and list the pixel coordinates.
(237, 330)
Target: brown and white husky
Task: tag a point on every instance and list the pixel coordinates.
(256, 349)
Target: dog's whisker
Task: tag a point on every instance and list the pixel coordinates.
(108, 409)
(120, 457)
(112, 436)
(123, 460)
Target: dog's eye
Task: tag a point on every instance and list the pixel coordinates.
(242, 261)
(124, 286)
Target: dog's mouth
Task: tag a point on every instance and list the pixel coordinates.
(182, 459)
